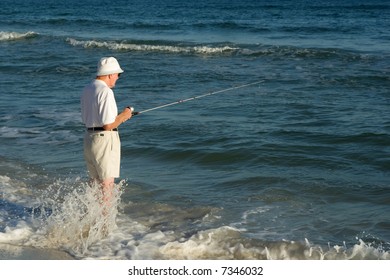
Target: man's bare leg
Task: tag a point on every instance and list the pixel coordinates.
(107, 190)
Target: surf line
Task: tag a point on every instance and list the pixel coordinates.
(193, 98)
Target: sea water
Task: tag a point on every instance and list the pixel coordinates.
(294, 167)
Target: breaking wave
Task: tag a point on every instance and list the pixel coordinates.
(12, 36)
(151, 47)
(67, 217)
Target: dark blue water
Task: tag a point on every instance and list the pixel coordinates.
(296, 166)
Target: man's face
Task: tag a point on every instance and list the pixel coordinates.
(112, 79)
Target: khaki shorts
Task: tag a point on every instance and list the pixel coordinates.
(102, 152)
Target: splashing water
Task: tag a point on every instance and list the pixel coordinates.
(73, 218)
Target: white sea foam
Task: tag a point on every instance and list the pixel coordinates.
(151, 48)
(10, 36)
(78, 217)
(228, 243)
(16, 235)
(71, 219)
(13, 132)
(15, 191)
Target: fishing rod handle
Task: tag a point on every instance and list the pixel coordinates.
(132, 111)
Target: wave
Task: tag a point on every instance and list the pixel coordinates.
(211, 49)
(287, 51)
(12, 36)
(66, 217)
(225, 49)
(150, 47)
(227, 243)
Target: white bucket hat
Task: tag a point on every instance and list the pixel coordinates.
(107, 66)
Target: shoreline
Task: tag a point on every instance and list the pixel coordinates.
(13, 252)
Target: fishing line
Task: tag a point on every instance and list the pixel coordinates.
(193, 98)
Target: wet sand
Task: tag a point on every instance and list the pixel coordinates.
(12, 252)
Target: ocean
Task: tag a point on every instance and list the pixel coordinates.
(294, 166)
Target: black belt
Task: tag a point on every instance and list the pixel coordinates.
(100, 129)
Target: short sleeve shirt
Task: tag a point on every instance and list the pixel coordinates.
(98, 105)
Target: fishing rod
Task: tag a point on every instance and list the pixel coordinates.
(193, 98)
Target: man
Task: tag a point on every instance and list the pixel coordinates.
(100, 116)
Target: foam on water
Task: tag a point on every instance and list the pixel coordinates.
(228, 243)
(68, 216)
(21, 194)
(151, 47)
(11, 36)
(77, 217)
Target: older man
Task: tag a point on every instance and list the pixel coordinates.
(100, 116)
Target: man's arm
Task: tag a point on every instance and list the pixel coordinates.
(121, 118)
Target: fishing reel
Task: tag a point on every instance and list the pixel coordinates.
(132, 111)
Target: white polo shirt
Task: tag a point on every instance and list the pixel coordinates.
(98, 105)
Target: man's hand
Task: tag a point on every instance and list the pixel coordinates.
(127, 113)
